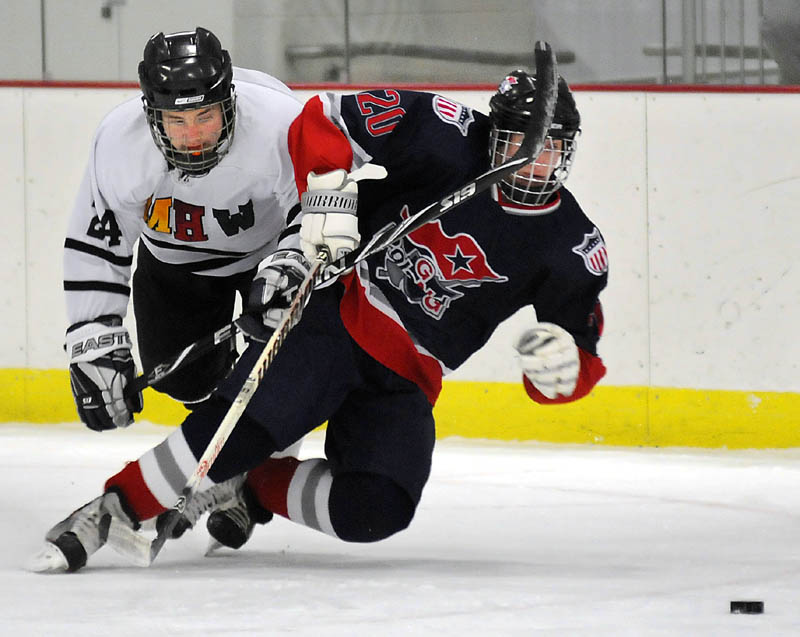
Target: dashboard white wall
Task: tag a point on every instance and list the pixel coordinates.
(695, 194)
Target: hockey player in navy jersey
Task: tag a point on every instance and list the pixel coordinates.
(197, 169)
(370, 351)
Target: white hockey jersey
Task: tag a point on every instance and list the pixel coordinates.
(222, 223)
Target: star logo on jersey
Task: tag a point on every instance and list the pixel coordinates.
(432, 268)
(593, 252)
(459, 260)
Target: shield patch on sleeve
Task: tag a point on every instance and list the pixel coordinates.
(593, 252)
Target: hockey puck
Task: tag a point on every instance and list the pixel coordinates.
(747, 607)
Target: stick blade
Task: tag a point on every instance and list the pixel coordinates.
(544, 104)
(168, 525)
(130, 544)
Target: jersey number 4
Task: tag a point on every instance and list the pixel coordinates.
(105, 228)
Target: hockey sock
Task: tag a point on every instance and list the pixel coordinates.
(131, 484)
(296, 490)
(152, 483)
(355, 507)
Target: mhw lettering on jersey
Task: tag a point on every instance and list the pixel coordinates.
(185, 221)
(432, 268)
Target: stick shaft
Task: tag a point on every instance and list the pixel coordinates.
(239, 404)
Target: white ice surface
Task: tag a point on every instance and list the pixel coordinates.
(510, 539)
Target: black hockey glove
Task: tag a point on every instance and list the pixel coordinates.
(100, 368)
(272, 292)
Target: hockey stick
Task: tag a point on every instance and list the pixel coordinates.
(187, 355)
(143, 552)
(136, 547)
(239, 404)
(541, 118)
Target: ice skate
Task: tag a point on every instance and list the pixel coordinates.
(220, 495)
(233, 524)
(70, 543)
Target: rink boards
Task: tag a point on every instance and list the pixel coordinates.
(695, 194)
(633, 416)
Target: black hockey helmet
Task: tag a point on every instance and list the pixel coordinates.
(512, 104)
(185, 71)
(510, 111)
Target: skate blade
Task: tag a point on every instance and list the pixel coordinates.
(213, 547)
(49, 559)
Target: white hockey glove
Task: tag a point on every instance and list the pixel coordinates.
(329, 215)
(101, 366)
(549, 358)
(272, 292)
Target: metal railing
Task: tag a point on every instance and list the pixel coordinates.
(728, 59)
(705, 42)
(347, 53)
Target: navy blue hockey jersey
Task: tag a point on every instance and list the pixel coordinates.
(422, 306)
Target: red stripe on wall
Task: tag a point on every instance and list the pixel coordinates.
(349, 88)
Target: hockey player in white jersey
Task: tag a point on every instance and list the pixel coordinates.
(198, 171)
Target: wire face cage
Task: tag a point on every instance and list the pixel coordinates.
(534, 184)
(193, 161)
